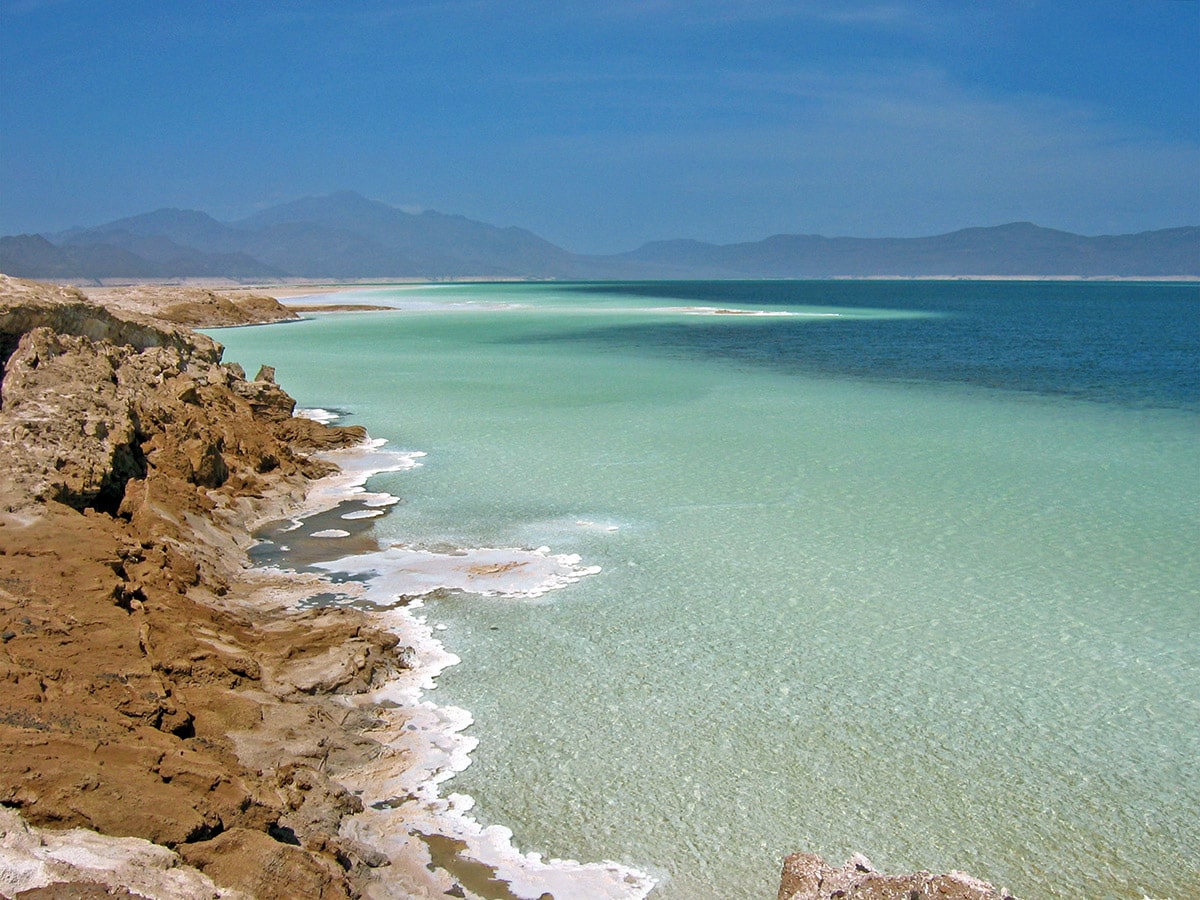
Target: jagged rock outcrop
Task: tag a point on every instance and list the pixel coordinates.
(195, 307)
(136, 666)
(808, 877)
(87, 396)
(27, 305)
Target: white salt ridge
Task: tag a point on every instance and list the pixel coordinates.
(387, 298)
(456, 306)
(814, 313)
(728, 311)
(357, 464)
(330, 533)
(589, 525)
(426, 743)
(405, 571)
(489, 571)
(565, 529)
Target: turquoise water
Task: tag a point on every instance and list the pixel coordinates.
(910, 572)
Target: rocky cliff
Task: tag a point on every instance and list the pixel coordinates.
(135, 645)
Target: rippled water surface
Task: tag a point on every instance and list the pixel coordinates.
(907, 569)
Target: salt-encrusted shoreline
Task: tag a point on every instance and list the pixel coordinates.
(405, 816)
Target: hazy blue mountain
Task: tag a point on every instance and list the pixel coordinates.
(32, 256)
(397, 243)
(1020, 248)
(346, 236)
(168, 258)
(184, 227)
(314, 250)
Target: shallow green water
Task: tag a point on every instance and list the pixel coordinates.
(944, 625)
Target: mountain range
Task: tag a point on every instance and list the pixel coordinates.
(344, 236)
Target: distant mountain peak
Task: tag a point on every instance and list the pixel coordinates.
(344, 235)
(1013, 249)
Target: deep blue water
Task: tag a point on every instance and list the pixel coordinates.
(1135, 344)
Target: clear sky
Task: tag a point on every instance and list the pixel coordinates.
(602, 125)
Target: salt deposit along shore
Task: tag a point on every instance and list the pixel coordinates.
(177, 723)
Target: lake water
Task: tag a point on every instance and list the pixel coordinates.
(902, 568)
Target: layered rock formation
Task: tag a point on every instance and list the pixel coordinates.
(136, 648)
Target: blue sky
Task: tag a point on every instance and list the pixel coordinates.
(603, 125)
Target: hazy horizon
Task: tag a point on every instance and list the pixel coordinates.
(604, 127)
(661, 238)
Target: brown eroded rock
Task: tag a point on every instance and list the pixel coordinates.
(808, 877)
(264, 868)
(142, 693)
(87, 890)
(25, 305)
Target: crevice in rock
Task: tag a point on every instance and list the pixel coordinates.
(284, 834)
(8, 346)
(205, 832)
(128, 462)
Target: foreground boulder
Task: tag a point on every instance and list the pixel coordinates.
(808, 877)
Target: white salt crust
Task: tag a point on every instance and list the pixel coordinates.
(725, 311)
(405, 571)
(404, 811)
(32, 858)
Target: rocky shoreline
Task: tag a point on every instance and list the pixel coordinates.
(172, 722)
(137, 645)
